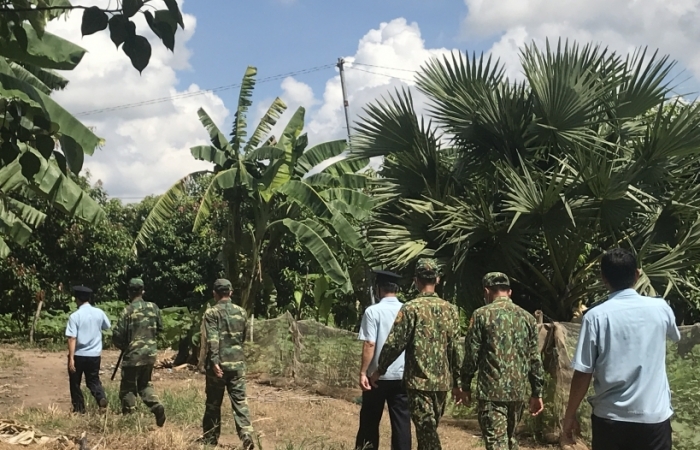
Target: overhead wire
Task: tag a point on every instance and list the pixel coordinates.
(381, 74)
(382, 67)
(202, 91)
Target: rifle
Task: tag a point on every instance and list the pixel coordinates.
(119, 361)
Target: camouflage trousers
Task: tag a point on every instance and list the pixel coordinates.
(498, 421)
(427, 408)
(137, 381)
(234, 383)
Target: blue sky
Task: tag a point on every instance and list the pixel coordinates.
(283, 36)
(147, 148)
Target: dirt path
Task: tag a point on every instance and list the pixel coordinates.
(36, 379)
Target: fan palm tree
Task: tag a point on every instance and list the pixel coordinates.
(271, 187)
(537, 177)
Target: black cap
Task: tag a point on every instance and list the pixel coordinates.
(384, 276)
(82, 290)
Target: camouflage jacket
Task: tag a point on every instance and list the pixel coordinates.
(226, 326)
(136, 331)
(502, 346)
(427, 329)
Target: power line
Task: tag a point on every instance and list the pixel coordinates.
(382, 74)
(203, 91)
(382, 67)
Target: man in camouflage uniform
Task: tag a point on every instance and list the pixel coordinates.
(226, 327)
(135, 335)
(426, 328)
(502, 346)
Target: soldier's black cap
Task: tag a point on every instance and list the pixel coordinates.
(384, 276)
(82, 290)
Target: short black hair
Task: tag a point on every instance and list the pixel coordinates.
(499, 288)
(223, 291)
(427, 280)
(387, 286)
(619, 268)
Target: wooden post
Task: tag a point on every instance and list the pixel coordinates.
(40, 301)
(539, 316)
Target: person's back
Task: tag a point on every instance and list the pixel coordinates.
(426, 328)
(502, 346)
(142, 324)
(428, 365)
(88, 323)
(84, 333)
(622, 347)
(630, 365)
(380, 318)
(136, 336)
(506, 355)
(225, 326)
(230, 334)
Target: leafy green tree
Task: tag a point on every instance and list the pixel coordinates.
(537, 177)
(40, 142)
(64, 252)
(178, 265)
(270, 190)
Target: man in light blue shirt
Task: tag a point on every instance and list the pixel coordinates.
(84, 333)
(622, 346)
(376, 325)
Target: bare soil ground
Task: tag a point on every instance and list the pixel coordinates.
(34, 391)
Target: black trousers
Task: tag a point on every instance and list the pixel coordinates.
(615, 435)
(90, 366)
(393, 393)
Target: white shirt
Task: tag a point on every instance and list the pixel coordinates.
(376, 325)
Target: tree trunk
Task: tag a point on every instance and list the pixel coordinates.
(40, 300)
(202, 347)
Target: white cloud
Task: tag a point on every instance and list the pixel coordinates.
(622, 25)
(147, 147)
(370, 73)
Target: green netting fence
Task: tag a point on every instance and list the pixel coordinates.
(682, 365)
(307, 353)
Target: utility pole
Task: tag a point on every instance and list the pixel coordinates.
(341, 67)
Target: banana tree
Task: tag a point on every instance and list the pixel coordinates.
(269, 190)
(538, 177)
(40, 142)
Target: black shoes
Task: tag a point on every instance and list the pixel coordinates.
(248, 443)
(159, 412)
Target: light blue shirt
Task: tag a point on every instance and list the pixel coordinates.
(86, 325)
(623, 344)
(376, 325)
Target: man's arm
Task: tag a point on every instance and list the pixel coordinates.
(105, 322)
(397, 341)
(584, 366)
(119, 333)
(453, 349)
(471, 352)
(579, 387)
(71, 334)
(159, 320)
(536, 374)
(211, 327)
(672, 331)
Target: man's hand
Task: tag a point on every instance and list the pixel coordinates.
(570, 428)
(374, 378)
(536, 406)
(462, 397)
(364, 382)
(71, 365)
(218, 372)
